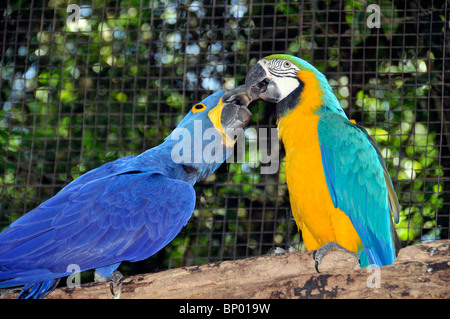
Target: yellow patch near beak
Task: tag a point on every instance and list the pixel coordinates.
(215, 116)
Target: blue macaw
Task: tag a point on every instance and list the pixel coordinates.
(125, 210)
(340, 191)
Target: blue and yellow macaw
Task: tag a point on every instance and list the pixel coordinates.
(340, 190)
(125, 210)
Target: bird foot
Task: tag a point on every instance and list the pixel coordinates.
(279, 250)
(325, 249)
(115, 278)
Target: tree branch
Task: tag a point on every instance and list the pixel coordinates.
(421, 271)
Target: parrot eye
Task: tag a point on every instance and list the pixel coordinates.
(287, 64)
(198, 108)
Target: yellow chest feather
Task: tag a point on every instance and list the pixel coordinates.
(311, 204)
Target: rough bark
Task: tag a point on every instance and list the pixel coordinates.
(421, 271)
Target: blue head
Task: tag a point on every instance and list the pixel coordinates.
(205, 138)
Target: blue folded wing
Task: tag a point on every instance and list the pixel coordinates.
(96, 221)
(357, 184)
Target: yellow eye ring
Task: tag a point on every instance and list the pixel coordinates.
(199, 107)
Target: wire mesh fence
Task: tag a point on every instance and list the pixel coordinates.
(80, 91)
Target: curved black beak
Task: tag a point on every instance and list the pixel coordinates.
(235, 114)
(259, 83)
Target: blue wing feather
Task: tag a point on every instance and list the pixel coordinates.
(94, 222)
(355, 180)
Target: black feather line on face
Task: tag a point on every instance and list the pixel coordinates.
(290, 101)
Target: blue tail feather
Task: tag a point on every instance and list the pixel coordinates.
(38, 290)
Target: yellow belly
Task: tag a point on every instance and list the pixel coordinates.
(311, 204)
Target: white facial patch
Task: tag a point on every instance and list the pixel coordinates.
(283, 73)
(286, 85)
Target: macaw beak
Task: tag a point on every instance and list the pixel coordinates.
(235, 114)
(260, 84)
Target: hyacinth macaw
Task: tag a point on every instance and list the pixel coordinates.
(125, 210)
(340, 190)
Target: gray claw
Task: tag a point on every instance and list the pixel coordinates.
(115, 278)
(324, 250)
